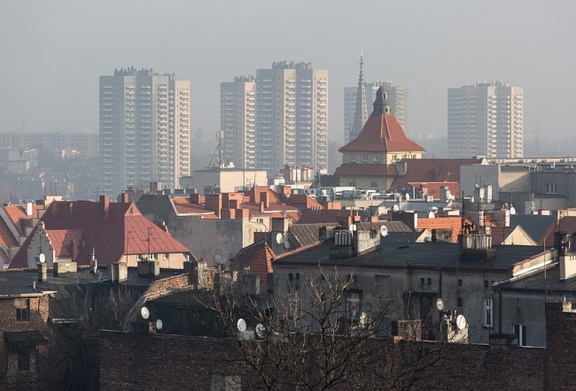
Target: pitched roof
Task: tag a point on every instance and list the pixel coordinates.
(432, 170)
(381, 132)
(124, 231)
(258, 257)
(447, 223)
(537, 226)
(18, 216)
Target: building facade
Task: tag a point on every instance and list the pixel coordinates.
(238, 121)
(144, 129)
(486, 119)
(291, 116)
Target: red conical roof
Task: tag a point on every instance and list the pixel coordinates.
(381, 132)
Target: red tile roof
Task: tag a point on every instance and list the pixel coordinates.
(381, 132)
(124, 231)
(448, 223)
(17, 214)
(432, 170)
(258, 257)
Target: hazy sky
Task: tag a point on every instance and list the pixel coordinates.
(52, 53)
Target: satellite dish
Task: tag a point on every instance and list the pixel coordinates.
(241, 325)
(287, 245)
(279, 238)
(461, 322)
(440, 304)
(41, 258)
(260, 330)
(512, 210)
(431, 215)
(488, 230)
(396, 208)
(144, 312)
(383, 231)
(159, 324)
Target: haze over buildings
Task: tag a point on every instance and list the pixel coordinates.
(425, 46)
(144, 129)
(486, 119)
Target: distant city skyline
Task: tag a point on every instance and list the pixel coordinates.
(56, 51)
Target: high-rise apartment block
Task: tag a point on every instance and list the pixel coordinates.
(486, 120)
(144, 130)
(291, 117)
(238, 121)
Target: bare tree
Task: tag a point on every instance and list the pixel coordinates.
(77, 318)
(314, 337)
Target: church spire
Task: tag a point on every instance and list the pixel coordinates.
(361, 112)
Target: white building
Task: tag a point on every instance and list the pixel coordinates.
(144, 130)
(291, 116)
(238, 121)
(485, 119)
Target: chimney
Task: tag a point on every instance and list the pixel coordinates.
(29, 208)
(42, 272)
(104, 206)
(265, 200)
(261, 207)
(124, 198)
(76, 247)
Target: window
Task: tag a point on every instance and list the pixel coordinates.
(429, 281)
(365, 159)
(550, 188)
(422, 279)
(520, 331)
(488, 313)
(383, 286)
(459, 282)
(460, 303)
(353, 305)
(22, 309)
(373, 185)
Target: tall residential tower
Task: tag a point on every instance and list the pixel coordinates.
(291, 117)
(486, 120)
(144, 130)
(238, 121)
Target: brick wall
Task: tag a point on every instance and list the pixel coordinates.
(159, 362)
(560, 347)
(23, 380)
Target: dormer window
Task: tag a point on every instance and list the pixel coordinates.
(352, 158)
(365, 159)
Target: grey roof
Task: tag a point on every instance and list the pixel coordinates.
(436, 255)
(535, 225)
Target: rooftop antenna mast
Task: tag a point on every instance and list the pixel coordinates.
(218, 158)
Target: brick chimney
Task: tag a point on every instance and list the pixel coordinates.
(104, 206)
(124, 198)
(264, 199)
